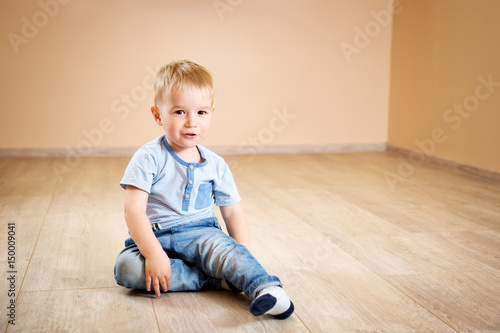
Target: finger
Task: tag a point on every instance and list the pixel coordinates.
(148, 283)
(164, 285)
(168, 283)
(156, 285)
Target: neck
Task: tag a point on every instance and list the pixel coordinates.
(189, 155)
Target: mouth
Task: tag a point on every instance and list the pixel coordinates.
(190, 135)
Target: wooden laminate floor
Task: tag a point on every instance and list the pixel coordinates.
(361, 243)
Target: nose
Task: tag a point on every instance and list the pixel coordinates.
(191, 120)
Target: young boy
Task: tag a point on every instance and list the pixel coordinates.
(171, 186)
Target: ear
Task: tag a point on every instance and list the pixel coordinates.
(156, 114)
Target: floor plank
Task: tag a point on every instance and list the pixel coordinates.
(467, 301)
(26, 189)
(84, 310)
(479, 248)
(333, 291)
(83, 255)
(354, 252)
(216, 311)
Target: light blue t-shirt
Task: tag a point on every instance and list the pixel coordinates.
(180, 192)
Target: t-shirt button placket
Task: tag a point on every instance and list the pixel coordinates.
(189, 187)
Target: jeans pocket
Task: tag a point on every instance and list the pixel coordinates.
(205, 196)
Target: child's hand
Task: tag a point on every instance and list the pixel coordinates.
(158, 272)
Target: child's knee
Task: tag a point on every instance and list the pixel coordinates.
(129, 272)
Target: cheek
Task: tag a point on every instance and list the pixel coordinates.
(206, 126)
(170, 126)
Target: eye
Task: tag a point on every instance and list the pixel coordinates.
(179, 112)
(202, 112)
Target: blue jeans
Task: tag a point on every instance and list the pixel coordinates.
(201, 255)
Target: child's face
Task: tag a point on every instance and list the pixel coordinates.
(185, 116)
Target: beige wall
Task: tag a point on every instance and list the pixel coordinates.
(86, 71)
(442, 53)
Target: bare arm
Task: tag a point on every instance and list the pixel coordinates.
(157, 268)
(236, 224)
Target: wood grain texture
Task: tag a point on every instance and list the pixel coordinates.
(335, 291)
(216, 311)
(467, 301)
(84, 310)
(84, 228)
(76, 251)
(26, 189)
(355, 252)
(479, 248)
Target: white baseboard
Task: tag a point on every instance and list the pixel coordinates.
(311, 149)
(447, 164)
(63, 152)
(229, 150)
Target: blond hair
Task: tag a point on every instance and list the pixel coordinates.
(180, 73)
